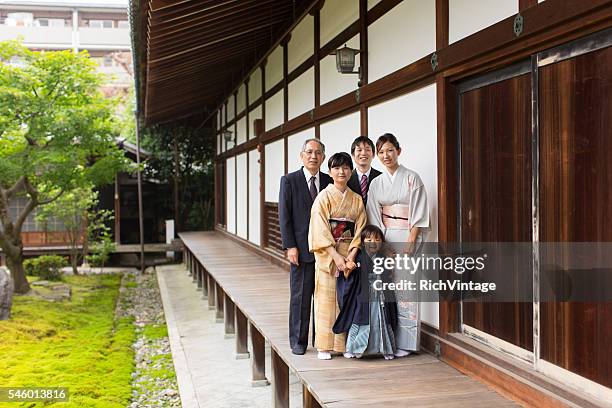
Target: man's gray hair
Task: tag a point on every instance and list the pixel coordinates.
(313, 140)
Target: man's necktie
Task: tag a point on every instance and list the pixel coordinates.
(313, 188)
(364, 187)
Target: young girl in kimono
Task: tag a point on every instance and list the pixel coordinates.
(368, 315)
(334, 236)
(397, 204)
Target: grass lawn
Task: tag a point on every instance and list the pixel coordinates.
(76, 344)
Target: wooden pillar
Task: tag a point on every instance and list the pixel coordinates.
(258, 362)
(308, 401)
(316, 14)
(242, 335)
(189, 262)
(199, 275)
(447, 188)
(441, 23)
(204, 283)
(117, 211)
(228, 315)
(280, 382)
(219, 296)
(363, 62)
(210, 282)
(184, 255)
(262, 160)
(194, 274)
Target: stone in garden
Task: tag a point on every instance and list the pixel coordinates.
(41, 283)
(6, 294)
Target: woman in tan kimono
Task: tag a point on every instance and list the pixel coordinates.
(397, 204)
(336, 220)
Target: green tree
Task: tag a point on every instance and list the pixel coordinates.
(73, 210)
(56, 134)
(183, 157)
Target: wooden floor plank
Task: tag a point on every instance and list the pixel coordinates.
(260, 290)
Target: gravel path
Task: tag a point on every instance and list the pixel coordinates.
(154, 381)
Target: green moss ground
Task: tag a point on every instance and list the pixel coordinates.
(76, 344)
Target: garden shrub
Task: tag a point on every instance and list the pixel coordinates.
(47, 267)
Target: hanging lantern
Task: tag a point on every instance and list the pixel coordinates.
(345, 60)
(227, 135)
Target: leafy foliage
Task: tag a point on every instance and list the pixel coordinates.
(47, 267)
(100, 237)
(196, 170)
(56, 135)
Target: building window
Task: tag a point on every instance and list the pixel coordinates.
(19, 19)
(50, 22)
(123, 24)
(101, 23)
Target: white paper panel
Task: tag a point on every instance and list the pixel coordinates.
(337, 15)
(241, 98)
(275, 113)
(465, 17)
(230, 171)
(230, 108)
(334, 84)
(241, 195)
(294, 147)
(255, 86)
(274, 68)
(301, 94)
(218, 144)
(301, 45)
(242, 130)
(338, 134)
(275, 168)
(400, 37)
(412, 119)
(254, 114)
(254, 215)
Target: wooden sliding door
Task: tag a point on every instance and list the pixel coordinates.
(575, 109)
(495, 188)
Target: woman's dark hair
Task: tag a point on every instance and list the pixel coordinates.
(361, 140)
(372, 231)
(339, 160)
(387, 137)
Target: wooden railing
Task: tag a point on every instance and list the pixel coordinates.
(271, 226)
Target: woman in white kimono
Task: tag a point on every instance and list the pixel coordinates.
(397, 204)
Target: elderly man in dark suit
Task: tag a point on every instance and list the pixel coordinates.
(362, 151)
(297, 193)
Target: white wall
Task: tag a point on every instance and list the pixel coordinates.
(372, 3)
(465, 17)
(255, 86)
(274, 68)
(275, 113)
(241, 137)
(334, 84)
(301, 94)
(336, 15)
(301, 45)
(230, 108)
(275, 168)
(254, 114)
(294, 147)
(338, 134)
(403, 35)
(218, 144)
(241, 195)
(231, 194)
(412, 119)
(241, 98)
(254, 216)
